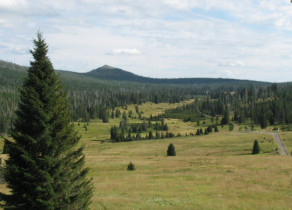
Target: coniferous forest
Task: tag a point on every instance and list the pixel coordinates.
(90, 97)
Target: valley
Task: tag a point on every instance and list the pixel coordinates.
(211, 170)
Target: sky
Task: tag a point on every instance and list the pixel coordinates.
(246, 39)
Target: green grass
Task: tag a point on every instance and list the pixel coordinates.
(212, 171)
(215, 171)
(286, 138)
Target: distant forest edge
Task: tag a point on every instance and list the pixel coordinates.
(97, 93)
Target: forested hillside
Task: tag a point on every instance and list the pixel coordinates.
(94, 97)
(261, 106)
(111, 73)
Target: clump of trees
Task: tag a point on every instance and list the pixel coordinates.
(132, 131)
(209, 129)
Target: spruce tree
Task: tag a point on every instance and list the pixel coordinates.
(171, 150)
(256, 148)
(45, 168)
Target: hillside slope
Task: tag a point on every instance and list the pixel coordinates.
(112, 73)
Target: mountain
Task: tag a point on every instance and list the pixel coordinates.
(105, 88)
(11, 74)
(111, 73)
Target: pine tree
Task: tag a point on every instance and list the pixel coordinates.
(45, 168)
(171, 150)
(256, 148)
(150, 135)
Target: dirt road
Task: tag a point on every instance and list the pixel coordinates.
(279, 142)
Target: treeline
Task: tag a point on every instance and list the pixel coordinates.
(262, 106)
(94, 98)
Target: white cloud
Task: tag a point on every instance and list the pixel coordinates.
(236, 63)
(11, 4)
(178, 38)
(126, 51)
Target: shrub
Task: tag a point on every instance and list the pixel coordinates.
(131, 167)
(171, 150)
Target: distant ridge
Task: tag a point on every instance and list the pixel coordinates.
(111, 73)
(12, 73)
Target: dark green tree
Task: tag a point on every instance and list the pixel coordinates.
(45, 168)
(171, 150)
(3, 124)
(225, 119)
(157, 135)
(216, 129)
(256, 148)
(5, 147)
(131, 167)
(263, 119)
(198, 132)
(105, 118)
(150, 135)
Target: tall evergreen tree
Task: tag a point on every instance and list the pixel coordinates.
(225, 119)
(45, 168)
(256, 148)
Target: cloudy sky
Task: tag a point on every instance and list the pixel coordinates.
(246, 39)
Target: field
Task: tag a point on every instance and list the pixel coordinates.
(215, 171)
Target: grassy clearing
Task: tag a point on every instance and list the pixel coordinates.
(286, 138)
(215, 171)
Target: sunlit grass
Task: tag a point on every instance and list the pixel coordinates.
(214, 171)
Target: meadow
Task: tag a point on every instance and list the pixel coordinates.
(214, 171)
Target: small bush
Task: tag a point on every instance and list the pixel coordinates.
(131, 167)
(171, 150)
